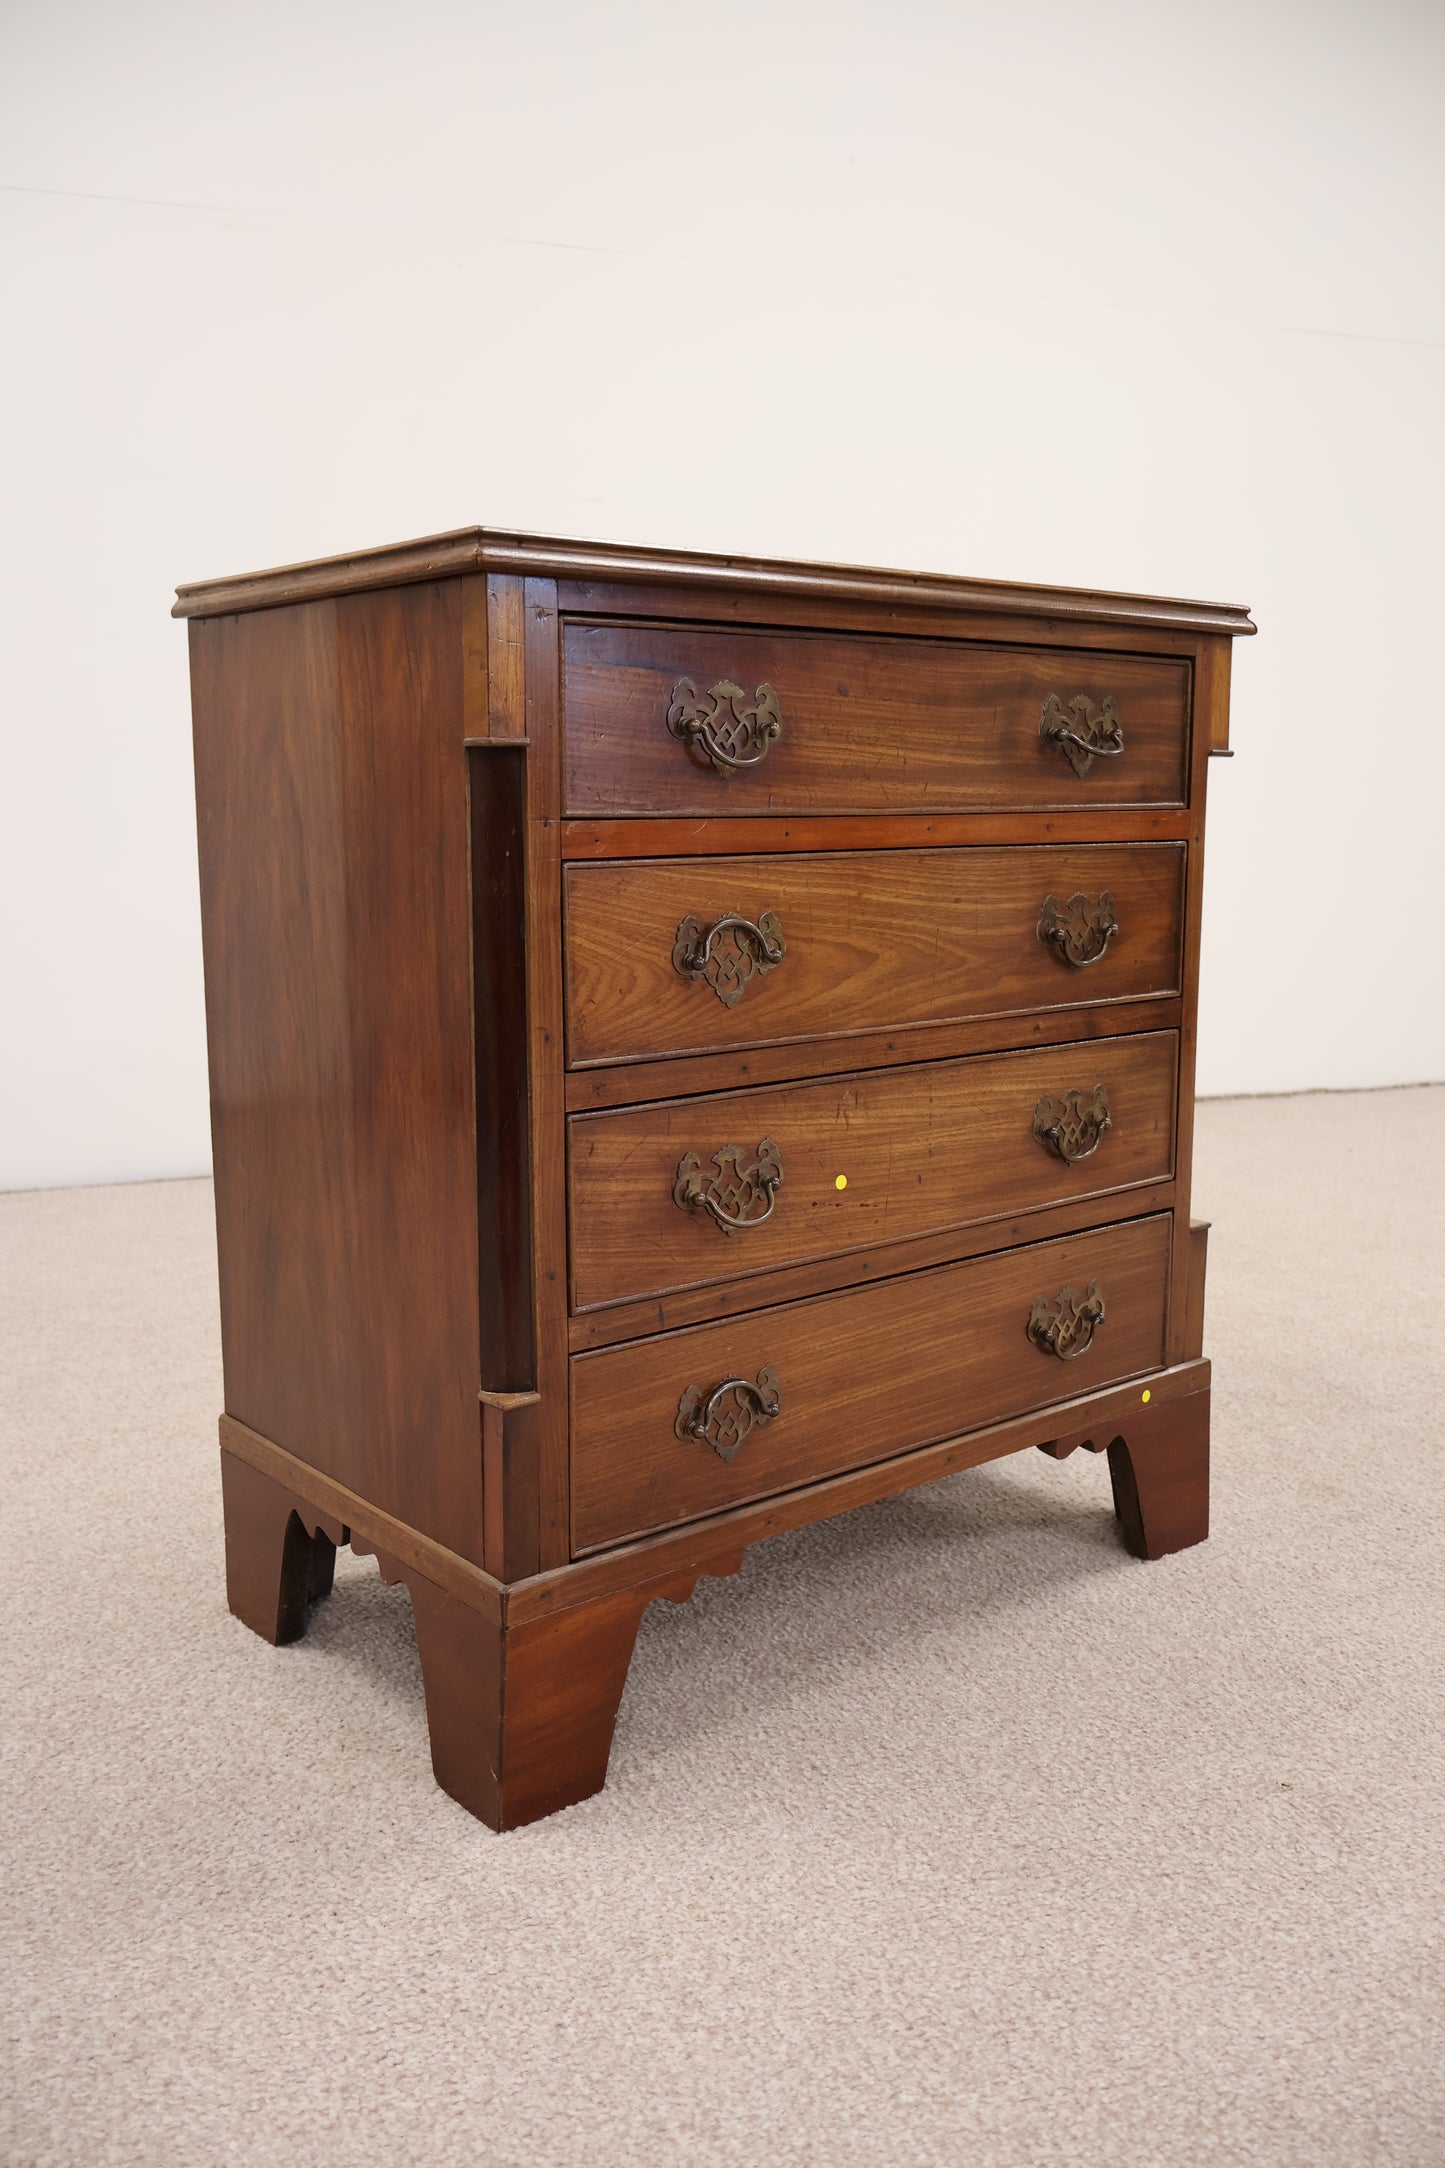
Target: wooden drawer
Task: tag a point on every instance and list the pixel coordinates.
(860, 1376)
(846, 723)
(838, 943)
(917, 1151)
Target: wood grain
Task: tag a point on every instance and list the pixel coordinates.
(472, 549)
(506, 668)
(880, 940)
(333, 836)
(549, 1134)
(1218, 702)
(333, 1504)
(520, 1716)
(652, 1560)
(525, 1445)
(496, 790)
(850, 611)
(520, 1722)
(918, 1150)
(643, 1562)
(1159, 1465)
(864, 1375)
(426, 987)
(868, 725)
(476, 670)
(681, 1076)
(276, 1567)
(854, 1268)
(1211, 690)
(658, 837)
(1192, 1337)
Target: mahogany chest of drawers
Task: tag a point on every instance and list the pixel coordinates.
(696, 1045)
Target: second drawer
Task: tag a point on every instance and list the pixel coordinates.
(675, 955)
(730, 1184)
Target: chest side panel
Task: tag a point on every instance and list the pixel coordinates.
(331, 799)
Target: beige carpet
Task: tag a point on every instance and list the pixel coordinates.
(946, 1833)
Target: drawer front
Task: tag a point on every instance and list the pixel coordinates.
(734, 1183)
(672, 956)
(856, 1377)
(698, 719)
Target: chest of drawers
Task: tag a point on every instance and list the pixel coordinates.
(696, 1045)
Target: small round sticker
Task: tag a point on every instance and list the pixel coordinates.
(1146, 1392)
(840, 1181)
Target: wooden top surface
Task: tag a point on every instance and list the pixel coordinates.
(477, 549)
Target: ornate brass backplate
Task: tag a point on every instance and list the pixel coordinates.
(1071, 1126)
(720, 727)
(1080, 930)
(1088, 737)
(1065, 1324)
(726, 1415)
(732, 1194)
(729, 952)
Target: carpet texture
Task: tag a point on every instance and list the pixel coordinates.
(946, 1833)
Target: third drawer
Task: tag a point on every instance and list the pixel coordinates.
(726, 1185)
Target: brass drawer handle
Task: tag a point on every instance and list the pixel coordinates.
(1066, 1325)
(1073, 1125)
(731, 1196)
(1088, 737)
(1080, 930)
(728, 952)
(725, 732)
(725, 1416)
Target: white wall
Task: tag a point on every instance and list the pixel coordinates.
(1136, 296)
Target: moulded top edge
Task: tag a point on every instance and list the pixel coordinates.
(473, 549)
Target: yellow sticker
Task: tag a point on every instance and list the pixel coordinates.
(1146, 1392)
(841, 1182)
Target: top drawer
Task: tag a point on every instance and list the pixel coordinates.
(702, 719)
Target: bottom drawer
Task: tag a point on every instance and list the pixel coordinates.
(848, 1378)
